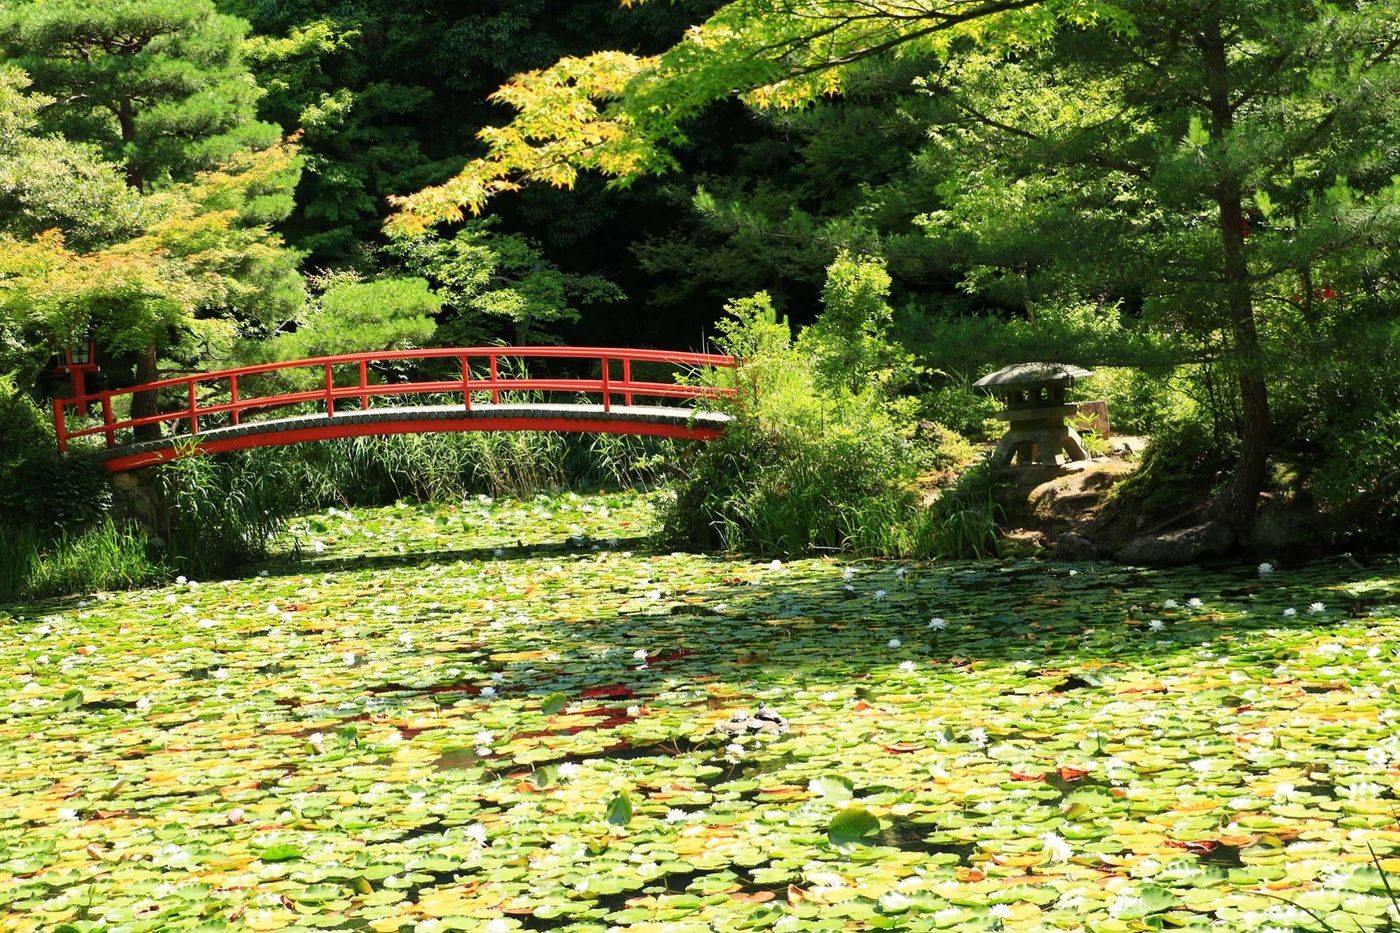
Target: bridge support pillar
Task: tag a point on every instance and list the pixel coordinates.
(137, 498)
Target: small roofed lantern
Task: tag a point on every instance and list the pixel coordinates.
(1035, 412)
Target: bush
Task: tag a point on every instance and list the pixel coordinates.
(809, 463)
(105, 557)
(221, 513)
(39, 487)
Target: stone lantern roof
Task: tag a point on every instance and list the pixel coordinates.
(1031, 375)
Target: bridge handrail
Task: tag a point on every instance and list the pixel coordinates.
(604, 385)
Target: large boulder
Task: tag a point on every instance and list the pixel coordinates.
(1176, 548)
(1070, 546)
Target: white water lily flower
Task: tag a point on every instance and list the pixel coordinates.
(634, 711)
(170, 598)
(907, 667)
(675, 815)
(483, 752)
(1169, 604)
(235, 816)
(318, 546)
(978, 736)
(497, 676)
(1000, 911)
(348, 659)
(880, 595)
(488, 691)
(640, 654)
(1194, 602)
(848, 574)
(734, 748)
(1056, 847)
(894, 642)
(1265, 569)
(219, 674)
(1317, 607)
(776, 565)
(1156, 625)
(1290, 611)
(937, 624)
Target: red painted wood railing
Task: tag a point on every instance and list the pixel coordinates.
(225, 395)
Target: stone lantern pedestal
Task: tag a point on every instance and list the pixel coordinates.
(1036, 411)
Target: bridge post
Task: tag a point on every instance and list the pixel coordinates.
(364, 384)
(627, 381)
(467, 380)
(330, 397)
(110, 433)
(607, 394)
(194, 418)
(233, 397)
(60, 424)
(495, 393)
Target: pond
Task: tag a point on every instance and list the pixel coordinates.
(505, 715)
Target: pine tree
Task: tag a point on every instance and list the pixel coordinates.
(160, 85)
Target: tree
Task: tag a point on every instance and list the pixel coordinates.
(198, 252)
(160, 85)
(621, 114)
(1203, 163)
(1126, 144)
(497, 285)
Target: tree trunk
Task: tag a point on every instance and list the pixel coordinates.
(144, 404)
(126, 120)
(1250, 472)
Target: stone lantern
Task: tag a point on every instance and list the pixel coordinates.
(1035, 412)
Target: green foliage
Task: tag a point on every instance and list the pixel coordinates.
(802, 467)
(221, 513)
(102, 557)
(497, 285)
(39, 488)
(49, 182)
(850, 341)
(351, 316)
(159, 85)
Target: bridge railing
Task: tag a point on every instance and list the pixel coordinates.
(475, 370)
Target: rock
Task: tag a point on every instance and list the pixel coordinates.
(1282, 529)
(767, 721)
(1070, 546)
(1175, 548)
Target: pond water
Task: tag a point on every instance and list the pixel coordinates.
(501, 715)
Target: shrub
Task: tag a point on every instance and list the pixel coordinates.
(104, 557)
(809, 463)
(221, 513)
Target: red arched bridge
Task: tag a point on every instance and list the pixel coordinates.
(469, 389)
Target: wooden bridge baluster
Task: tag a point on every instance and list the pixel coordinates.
(364, 384)
(495, 392)
(194, 417)
(607, 394)
(330, 397)
(110, 433)
(627, 381)
(467, 380)
(233, 397)
(60, 424)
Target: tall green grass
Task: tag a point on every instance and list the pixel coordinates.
(107, 556)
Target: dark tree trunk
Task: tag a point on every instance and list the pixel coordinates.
(144, 404)
(1251, 470)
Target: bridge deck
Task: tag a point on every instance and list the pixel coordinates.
(656, 420)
